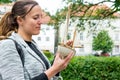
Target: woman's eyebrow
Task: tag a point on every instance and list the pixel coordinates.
(38, 15)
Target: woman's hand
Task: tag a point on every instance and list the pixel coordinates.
(59, 64)
(69, 43)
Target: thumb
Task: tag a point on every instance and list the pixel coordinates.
(57, 54)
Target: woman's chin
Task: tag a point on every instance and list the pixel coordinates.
(36, 33)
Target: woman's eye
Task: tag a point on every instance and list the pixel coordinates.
(35, 18)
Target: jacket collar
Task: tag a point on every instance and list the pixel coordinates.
(21, 42)
(19, 39)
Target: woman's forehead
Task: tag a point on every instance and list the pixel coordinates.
(35, 10)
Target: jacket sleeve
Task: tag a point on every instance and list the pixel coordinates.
(10, 63)
(42, 76)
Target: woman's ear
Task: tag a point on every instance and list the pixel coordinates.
(19, 20)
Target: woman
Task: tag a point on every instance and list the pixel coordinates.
(20, 24)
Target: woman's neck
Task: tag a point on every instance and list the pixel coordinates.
(25, 36)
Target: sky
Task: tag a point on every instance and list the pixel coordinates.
(50, 5)
(53, 5)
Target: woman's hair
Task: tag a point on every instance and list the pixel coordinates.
(9, 21)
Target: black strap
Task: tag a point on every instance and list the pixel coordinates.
(34, 48)
(20, 51)
(21, 54)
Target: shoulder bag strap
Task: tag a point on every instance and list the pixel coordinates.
(20, 51)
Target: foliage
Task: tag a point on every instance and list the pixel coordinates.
(49, 55)
(6, 1)
(80, 6)
(92, 68)
(103, 42)
(117, 5)
(84, 12)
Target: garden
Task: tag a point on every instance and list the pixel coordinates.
(91, 68)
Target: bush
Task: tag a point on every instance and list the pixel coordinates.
(49, 55)
(92, 68)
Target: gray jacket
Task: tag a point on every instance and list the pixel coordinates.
(11, 67)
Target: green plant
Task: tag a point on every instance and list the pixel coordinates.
(6, 1)
(49, 55)
(103, 42)
(92, 68)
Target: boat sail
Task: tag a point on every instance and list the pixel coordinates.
(64, 31)
(65, 26)
(62, 47)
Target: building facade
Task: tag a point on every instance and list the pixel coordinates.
(46, 38)
(85, 37)
(5, 8)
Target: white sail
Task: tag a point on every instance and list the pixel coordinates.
(76, 37)
(64, 31)
(64, 28)
(77, 43)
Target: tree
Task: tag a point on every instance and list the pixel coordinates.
(6, 1)
(55, 21)
(86, 11)
(102, 42)
(82, 12)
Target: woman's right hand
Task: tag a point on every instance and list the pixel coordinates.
(58, 64)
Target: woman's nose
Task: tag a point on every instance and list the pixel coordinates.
(39, 21)
(45, 20)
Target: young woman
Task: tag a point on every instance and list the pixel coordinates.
(20, 24)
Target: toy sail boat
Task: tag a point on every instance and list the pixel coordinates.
(64, 49)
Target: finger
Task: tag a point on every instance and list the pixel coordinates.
(69, 43)
(68, 58)
(57, 54)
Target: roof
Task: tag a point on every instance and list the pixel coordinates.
(100, 10)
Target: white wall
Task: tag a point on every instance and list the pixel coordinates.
(113, 33)
(87, 40)
(47, 32)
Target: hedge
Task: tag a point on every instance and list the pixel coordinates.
(92, 68)
(49, 55)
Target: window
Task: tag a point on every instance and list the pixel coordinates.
(93, 35)
(81, 49)
(48, 28)
(81, 36)
(116, 48)
(47, 38)
(116, 37)
(39, 38)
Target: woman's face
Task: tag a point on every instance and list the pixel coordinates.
(31, 24)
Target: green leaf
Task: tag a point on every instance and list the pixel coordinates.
(103, 42)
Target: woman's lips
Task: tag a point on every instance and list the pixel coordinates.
(38, 28)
